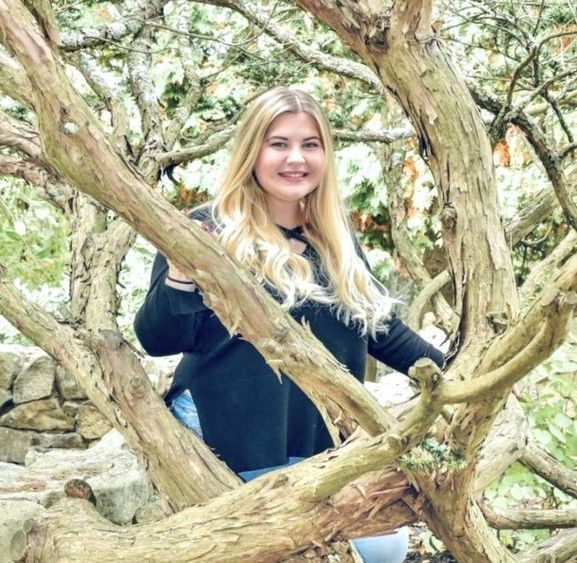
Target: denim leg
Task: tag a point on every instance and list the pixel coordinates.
(391, 548)
(184, 410)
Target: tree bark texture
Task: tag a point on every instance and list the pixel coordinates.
(353, 490)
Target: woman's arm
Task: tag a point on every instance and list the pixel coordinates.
(401, 347)
(169, 319)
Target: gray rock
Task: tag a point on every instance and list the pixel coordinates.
(5, 396)
(67, 386)
(16, 519)
(70, 408)
(43, 415)
(67, 440)
(119, 482)
(21, 483)
(14, 444)
(120, 492)
(9, 365)
(35, 380)
(90, 424)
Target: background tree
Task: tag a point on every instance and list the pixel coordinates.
(95, 117)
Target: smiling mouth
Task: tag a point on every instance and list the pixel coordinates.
(293, 175)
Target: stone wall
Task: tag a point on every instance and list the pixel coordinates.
(41, 406)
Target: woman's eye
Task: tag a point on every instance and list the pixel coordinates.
(311, 145)
(278, 144)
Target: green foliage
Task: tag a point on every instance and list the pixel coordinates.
(550, 403)
(33, 236)
(431, 455)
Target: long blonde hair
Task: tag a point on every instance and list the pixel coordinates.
(248, 232)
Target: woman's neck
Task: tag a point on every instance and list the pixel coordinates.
(289, 216)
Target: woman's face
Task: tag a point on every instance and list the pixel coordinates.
(291, 162)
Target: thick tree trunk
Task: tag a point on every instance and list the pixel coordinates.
(261, 524)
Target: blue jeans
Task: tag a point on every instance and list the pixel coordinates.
(391, 548)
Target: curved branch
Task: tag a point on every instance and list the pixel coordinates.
(110, 96)
(19, 135)
(195, 86)
(139, 65)
(545, 269)
(561, 547)
(214, 142)
(180, 465)
(530, 341)
(547, 155)
(53, 189)
(541, 206)
(550, 469)
(231, 527)
(428, 292)
(340, 66)
(524, 331)
(529, 519)
(545, 342)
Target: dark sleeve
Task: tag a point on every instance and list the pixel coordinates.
(401, 347)
(169, 319)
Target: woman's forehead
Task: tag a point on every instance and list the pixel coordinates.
(301, 123)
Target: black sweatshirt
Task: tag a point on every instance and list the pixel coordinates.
(250, 418)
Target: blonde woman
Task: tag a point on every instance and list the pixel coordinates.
(279, 212)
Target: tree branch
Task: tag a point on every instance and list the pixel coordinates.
(386, 136)
(529, 519)
(544, 270)
(541, 206)
(13, 80)
(215, 141)
(179, 464)
(561, 547)
(195, 85)
(139, 65)
(80, 150)
(99, 83)
(75, 40)
(550, 469)
(530, 341)
(525, 330)
(547, 155)
(338, 65)
(505, 444)
(19, 135)
(53, 189)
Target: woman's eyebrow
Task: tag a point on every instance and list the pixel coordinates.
(280, 137)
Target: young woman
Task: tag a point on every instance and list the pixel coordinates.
(280, 213)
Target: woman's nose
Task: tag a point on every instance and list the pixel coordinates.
(295, 155)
